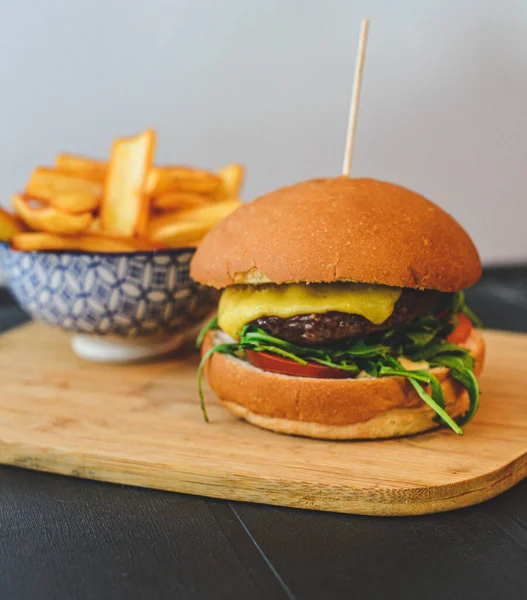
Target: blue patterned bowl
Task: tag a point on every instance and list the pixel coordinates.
(123, 306)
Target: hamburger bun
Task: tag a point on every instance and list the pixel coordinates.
(333, 409)
(339, 229)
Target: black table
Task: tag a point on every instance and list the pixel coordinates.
(62, 538)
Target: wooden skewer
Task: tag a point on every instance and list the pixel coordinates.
(355, 97)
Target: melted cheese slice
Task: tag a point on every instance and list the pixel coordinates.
(241, 304)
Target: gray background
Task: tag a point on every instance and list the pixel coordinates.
(443, 109)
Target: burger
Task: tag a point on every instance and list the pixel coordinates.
(342, 314)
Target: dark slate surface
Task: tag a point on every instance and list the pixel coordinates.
(62, 538)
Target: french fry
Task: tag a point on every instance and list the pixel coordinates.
(37, 241)
(179, 200)
(180, 228)
(183, 179)
(45, 184)
(231, 181)
(10, 225)
(175, 233)
(75, 202)
(210, 213)
(86, 168)
(95, 226)
(103, 243)
(125, 206)
(50, 219)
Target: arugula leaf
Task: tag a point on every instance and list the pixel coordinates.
(440, 412)
(368, 366)
(420, 338)
(435, 400)
(459, 305)
(474, 319)
(222, 348)
(212, 324)
(444, 348)
(280, 352)
(361, 349)
(465, 375)
(470, 383)
(343, 366)
(458, 301)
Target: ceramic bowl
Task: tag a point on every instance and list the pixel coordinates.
(120, 307)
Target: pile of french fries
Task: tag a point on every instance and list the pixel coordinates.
(123, 205)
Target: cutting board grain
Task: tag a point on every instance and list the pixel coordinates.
(141, 425)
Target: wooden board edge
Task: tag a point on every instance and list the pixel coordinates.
(223, 485)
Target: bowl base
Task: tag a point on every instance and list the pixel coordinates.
(121, 350)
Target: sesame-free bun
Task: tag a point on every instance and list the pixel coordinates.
(340, 229)
(333, 409)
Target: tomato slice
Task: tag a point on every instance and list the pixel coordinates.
(279, 364)
(462, 331)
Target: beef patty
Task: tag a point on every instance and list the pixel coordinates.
(332, 326)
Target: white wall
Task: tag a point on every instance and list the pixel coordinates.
(443, 110)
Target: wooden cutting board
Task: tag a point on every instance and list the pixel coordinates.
(141, 425)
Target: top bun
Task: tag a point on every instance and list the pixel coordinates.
(339, 229)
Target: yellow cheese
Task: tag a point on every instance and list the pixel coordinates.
(241, 304)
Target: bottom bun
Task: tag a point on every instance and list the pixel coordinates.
(332, 409)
